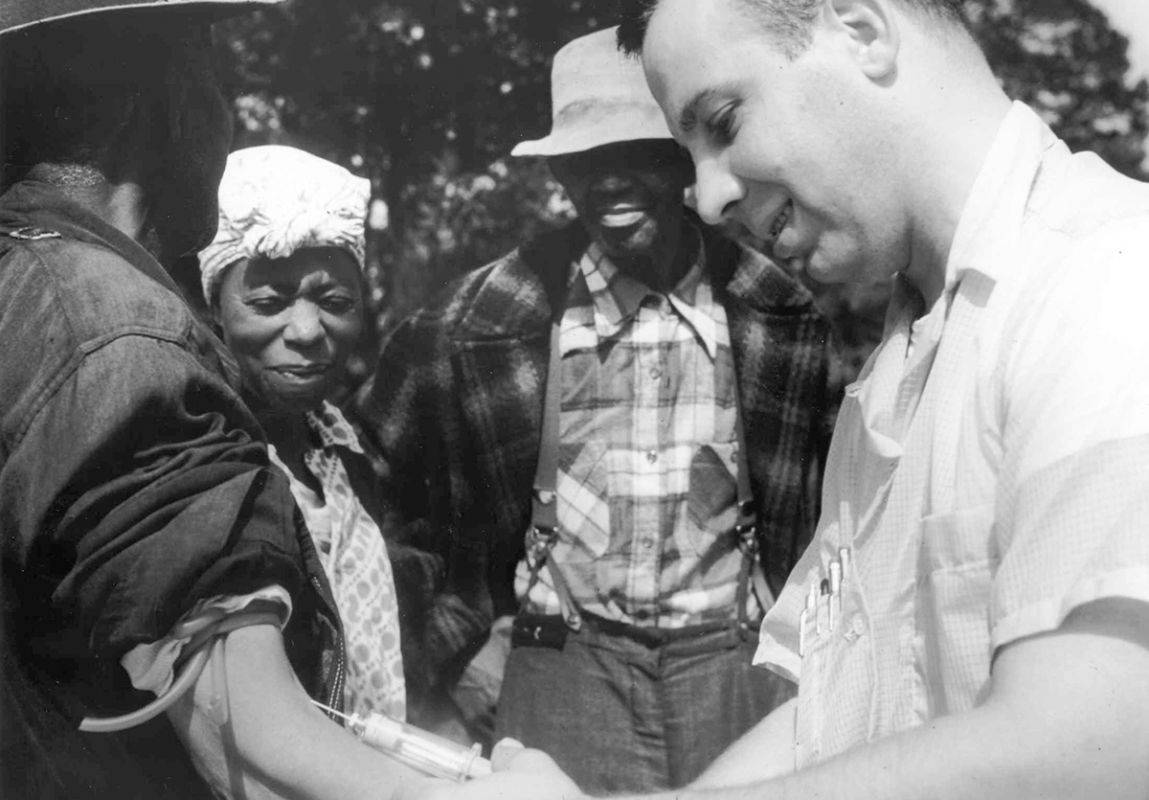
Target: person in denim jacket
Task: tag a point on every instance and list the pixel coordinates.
(137, 505)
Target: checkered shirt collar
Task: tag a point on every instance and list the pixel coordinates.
(615, 296)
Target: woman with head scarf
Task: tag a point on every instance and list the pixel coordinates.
(283, 280)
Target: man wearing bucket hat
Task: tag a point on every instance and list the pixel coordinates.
(648, 402)
(144, 533)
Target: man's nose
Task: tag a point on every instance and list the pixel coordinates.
(716, 191)
(611, 182)
(303, 325)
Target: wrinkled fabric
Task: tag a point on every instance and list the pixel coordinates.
(274, 200)
(355, 558)
(455, 413)
(647, 461)
(625, 716)
(151, 666)
(987, 472)
(133, 482)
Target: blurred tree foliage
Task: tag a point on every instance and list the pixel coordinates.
(424, 97)
(1063, 58)
(427, 97)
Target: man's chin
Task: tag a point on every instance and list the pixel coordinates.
(824, 268)
(816, 273)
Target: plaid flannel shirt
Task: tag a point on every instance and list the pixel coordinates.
(455, 412)
(647, 453)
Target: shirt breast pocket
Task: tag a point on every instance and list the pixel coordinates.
(837, 685)
(713, 487)
(958, 562)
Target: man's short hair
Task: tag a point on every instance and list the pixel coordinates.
(789, 21)
(76, 92)
(130, 95)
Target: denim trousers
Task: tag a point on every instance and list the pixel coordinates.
(632, 709)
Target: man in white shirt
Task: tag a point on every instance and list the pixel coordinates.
(972, 619)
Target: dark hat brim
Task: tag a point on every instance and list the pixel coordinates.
(18, 14)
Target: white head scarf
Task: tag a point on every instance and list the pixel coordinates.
(274, 200)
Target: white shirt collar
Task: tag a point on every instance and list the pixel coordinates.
(988, 231)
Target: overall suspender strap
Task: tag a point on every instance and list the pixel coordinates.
(746, 529)
(544, 529)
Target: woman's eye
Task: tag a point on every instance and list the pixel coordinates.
(267, 305)
(336, 303)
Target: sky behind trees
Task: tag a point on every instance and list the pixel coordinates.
(1131, 17)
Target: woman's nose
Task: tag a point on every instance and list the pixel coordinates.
(716, 191)
(303, 325)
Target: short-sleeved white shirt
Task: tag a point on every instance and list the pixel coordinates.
(989, 471)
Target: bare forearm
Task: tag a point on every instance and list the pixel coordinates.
(270, 741)
(1065, 719)
(965, 757)
(764, 752)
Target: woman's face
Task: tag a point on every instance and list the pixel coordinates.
(292, 323)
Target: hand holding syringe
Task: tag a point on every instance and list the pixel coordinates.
(427, 752)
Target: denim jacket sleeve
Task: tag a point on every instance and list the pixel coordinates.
(138, 489)
(133, 481)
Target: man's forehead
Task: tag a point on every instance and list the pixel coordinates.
(683, 53)
(666, 31)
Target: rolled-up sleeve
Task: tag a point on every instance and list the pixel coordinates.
(138, 486)
(151, 667)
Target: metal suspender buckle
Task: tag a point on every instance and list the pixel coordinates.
(747, 533)
(747, 538)
(540, 540)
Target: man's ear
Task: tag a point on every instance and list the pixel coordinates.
(216, 317)
(214, 303)
(872, 28)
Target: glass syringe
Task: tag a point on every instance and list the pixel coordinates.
(427, 752)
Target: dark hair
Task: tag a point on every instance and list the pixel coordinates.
(117, 95)
(76, 92)
(788, 20)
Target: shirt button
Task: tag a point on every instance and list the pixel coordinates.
(655, 372)
(647, 543)
(651, 456)
(857, 625)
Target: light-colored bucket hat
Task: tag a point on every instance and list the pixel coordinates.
(17, 14)
(598, 96)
